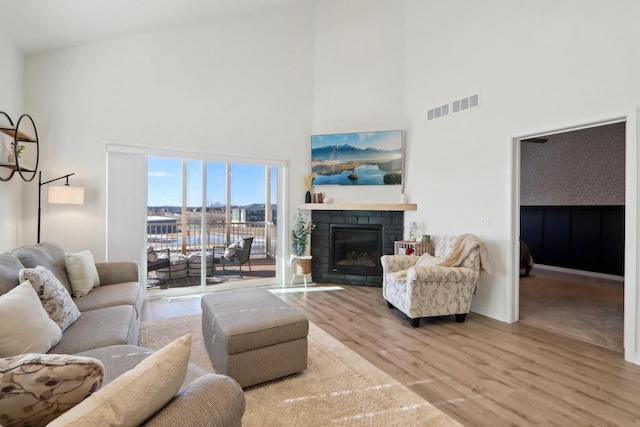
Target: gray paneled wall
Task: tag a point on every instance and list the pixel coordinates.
(584, 167)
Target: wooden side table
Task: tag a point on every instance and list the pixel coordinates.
(417, 248)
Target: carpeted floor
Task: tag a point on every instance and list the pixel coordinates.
(581, 307)
(339, 387)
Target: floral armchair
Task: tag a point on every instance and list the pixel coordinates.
(433, 290)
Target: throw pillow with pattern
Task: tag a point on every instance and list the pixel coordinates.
(37, 388)
(54, 296)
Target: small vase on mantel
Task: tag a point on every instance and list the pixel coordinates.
(307, 197)
(403, 199)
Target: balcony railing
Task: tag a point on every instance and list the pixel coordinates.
(218, 235)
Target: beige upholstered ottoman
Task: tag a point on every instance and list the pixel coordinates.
(253, 336)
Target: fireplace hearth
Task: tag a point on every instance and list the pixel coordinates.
(347, 245)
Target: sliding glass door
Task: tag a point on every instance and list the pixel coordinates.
(215, 222)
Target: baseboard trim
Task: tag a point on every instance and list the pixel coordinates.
(580, 272)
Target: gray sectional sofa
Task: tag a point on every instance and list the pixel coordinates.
(108, 329)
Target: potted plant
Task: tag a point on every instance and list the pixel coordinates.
(299, 237)
(15, 152)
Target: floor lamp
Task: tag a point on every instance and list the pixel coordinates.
(61, 194)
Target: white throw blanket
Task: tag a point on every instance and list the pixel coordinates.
(461, 250)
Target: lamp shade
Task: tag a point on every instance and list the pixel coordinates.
(64, 194)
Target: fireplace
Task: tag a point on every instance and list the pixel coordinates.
(323, 270)
(355, 249)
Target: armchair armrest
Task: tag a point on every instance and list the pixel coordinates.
(437, 273)
(117, 272)
(211, 400)
(393, 263)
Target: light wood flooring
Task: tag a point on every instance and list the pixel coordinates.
(482, 372)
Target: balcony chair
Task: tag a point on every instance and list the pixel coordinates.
(429, 286)
(155, 262)
(240, 257)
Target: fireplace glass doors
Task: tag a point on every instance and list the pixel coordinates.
(355, 249)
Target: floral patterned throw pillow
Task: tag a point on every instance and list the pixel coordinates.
(53, 295)
(37, 388)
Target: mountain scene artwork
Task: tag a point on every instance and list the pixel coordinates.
(364, 158)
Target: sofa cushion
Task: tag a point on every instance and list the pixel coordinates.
(118, 359)
(48, 255)
(129, 293)
(100, 328)
(25, 325)
(37, 388)
(115, 272)
(137, 394)
(82, 272)
(53, 295)
(10, 267)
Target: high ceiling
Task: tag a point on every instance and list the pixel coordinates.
(41, 25)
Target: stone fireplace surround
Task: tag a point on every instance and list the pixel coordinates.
(392, 230)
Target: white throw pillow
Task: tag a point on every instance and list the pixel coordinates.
(135, 395)
(82, 272)
(231, 250)
(54, 296)
(37, 388)
(152, 255)
(25, 325)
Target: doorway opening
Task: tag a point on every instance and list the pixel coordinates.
(583, 246)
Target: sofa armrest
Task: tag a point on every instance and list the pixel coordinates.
(117, 272)
(437, 273)
(211, 400)
(393, 263)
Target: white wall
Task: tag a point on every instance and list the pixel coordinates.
(240, 87)
(539, 66)
(11, 210)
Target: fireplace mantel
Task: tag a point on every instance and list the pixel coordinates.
(359, 206)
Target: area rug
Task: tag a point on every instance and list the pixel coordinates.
(339, 387)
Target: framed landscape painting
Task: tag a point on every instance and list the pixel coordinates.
(363, 158)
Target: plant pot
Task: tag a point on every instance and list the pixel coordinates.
(302, 265)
